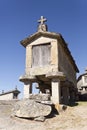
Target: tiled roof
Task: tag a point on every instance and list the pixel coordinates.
(12, 91)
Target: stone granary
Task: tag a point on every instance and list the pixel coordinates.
(50, 64)
(82, 85)
(9, 95)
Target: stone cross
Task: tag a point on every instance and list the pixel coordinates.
(42, 20)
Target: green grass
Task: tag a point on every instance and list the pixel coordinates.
(82, 103)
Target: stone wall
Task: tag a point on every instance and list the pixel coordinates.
(65, 65)
(8, 96)
(79, 83)
(84, 79)
(53, 61)
(59, 60)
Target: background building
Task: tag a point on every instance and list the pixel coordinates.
(82, 86)
(10, 95)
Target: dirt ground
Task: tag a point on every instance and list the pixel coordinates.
(74, 118)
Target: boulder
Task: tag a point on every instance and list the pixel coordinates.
(31, 109)
(39, 97)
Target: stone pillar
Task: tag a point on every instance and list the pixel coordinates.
(65, 94)
(72, 96)
(55, 91)
(27, 89)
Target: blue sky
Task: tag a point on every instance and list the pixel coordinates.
(18, 20)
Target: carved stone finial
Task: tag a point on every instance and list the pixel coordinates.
(42, 26)
(86, 69)
(16, 87)
(2, 91)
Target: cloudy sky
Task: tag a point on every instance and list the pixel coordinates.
(18, 20)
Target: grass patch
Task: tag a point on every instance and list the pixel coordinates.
(82, 103)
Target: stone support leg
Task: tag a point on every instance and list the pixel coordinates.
(65, 94)
(72, 96)
(55, 91)
(27, 89)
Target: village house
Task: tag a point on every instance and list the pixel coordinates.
(9, 95)
(50, 64)
(82, 85)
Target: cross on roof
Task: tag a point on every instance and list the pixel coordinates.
(42, 20)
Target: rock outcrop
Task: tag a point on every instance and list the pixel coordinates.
(32, 109)
(39, 97)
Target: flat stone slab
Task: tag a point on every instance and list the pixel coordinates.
(39, 97)
(56, 75)
(31, 109)
(41, 118)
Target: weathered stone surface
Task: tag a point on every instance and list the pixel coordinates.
(47, 102)
(41, 118)
(39, 97)
(31, 109)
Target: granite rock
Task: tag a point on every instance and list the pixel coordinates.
(31, 109)
(39, 97)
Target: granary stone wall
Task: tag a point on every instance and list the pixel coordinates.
(53, 63)
(65, 65)
(8, 96)
(49, 63)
